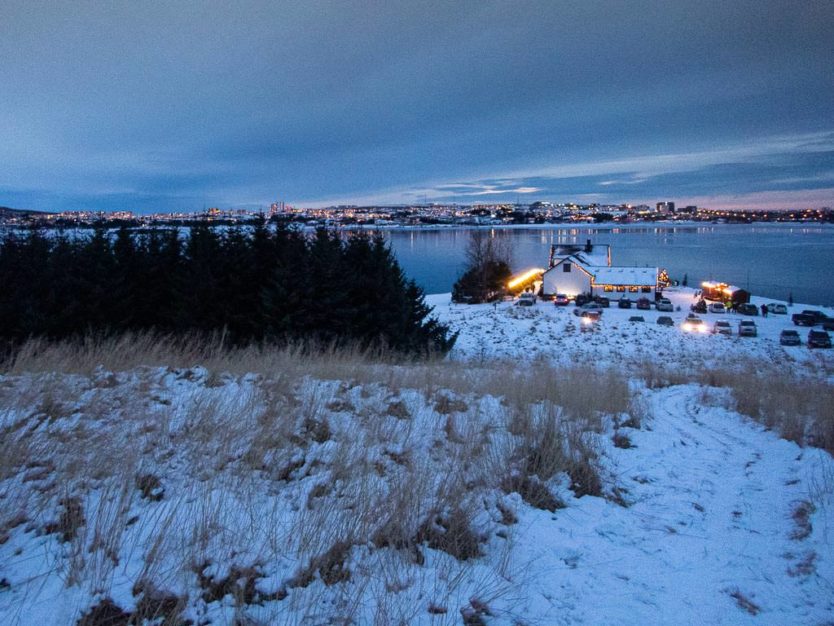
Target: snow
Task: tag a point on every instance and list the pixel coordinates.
(707, 516)
(506, 331)
(625, 275)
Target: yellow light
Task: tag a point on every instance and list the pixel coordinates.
(523, 278)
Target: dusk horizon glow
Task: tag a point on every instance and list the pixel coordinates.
(158, 108)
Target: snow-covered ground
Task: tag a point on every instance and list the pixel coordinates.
(397, 494)
(505, 330)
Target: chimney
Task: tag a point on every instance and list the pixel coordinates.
(589, 247)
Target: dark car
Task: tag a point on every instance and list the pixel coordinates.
(624, 303)
(665, 320)
(828, 324)
(809, 318)
(636, 318)
(789, 337)
(699, 307)
(528, 298)
(602, 301)
(581, 299)
(818, 339)
(588, 307)
(588, 317)
(644, 304)
(748, 309)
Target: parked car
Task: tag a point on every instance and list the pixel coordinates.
(581, 299)
(716, 307)
(818, 339)
(561, 300)
(789, 337)
(636, 318)
(644, 304)
(722, 327)
(747, 328)
(528, 298)
(699, 307)
(589, 320)
(694, 324)
(777, 309)
(588, 307)
(624, 303)
(828, 324)
(602, 301)
(665, 320)
(664, 304)
(809, 317)
(588, 316)
(748, 309)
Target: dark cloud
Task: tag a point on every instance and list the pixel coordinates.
(214, 102)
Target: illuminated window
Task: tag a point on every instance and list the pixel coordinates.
(633, 289)
(609, 288)
(620, 288)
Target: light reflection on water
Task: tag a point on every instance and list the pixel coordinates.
(772, 260)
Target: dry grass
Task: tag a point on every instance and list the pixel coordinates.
(333, 474)
(800, 407)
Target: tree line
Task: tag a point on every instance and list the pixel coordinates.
(252, 285)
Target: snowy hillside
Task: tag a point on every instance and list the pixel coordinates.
(506, 330)
(476, 490)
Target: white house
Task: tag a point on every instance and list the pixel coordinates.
(590, 271)
(568, 276)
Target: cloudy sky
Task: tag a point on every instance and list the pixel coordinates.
(179, 105)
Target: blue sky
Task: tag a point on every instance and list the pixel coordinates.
(152, 106)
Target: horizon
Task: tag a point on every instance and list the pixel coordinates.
(159, 109)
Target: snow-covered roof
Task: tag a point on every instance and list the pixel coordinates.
(625, 276)
(597, 258)
(593, 259)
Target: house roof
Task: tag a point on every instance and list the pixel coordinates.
(576, 263)
(597, 258)
(642, 276)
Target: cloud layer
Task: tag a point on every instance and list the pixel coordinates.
(152, 106)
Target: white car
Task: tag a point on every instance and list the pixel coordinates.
(747, 328)
(693, 324)
(664, 304)
(778, 309)
(528, 298)
(716, 307)
(722, 327)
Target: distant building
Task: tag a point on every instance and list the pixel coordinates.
(665, 207)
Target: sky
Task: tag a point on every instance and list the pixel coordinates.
(169, 106)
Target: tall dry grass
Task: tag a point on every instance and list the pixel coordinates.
(221, 468)
(800, 407)
(307, 467)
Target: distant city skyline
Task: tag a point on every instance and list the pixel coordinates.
(155, 108)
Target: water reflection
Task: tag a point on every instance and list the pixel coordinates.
(773, 260)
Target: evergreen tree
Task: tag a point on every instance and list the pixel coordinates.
(279, 286)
